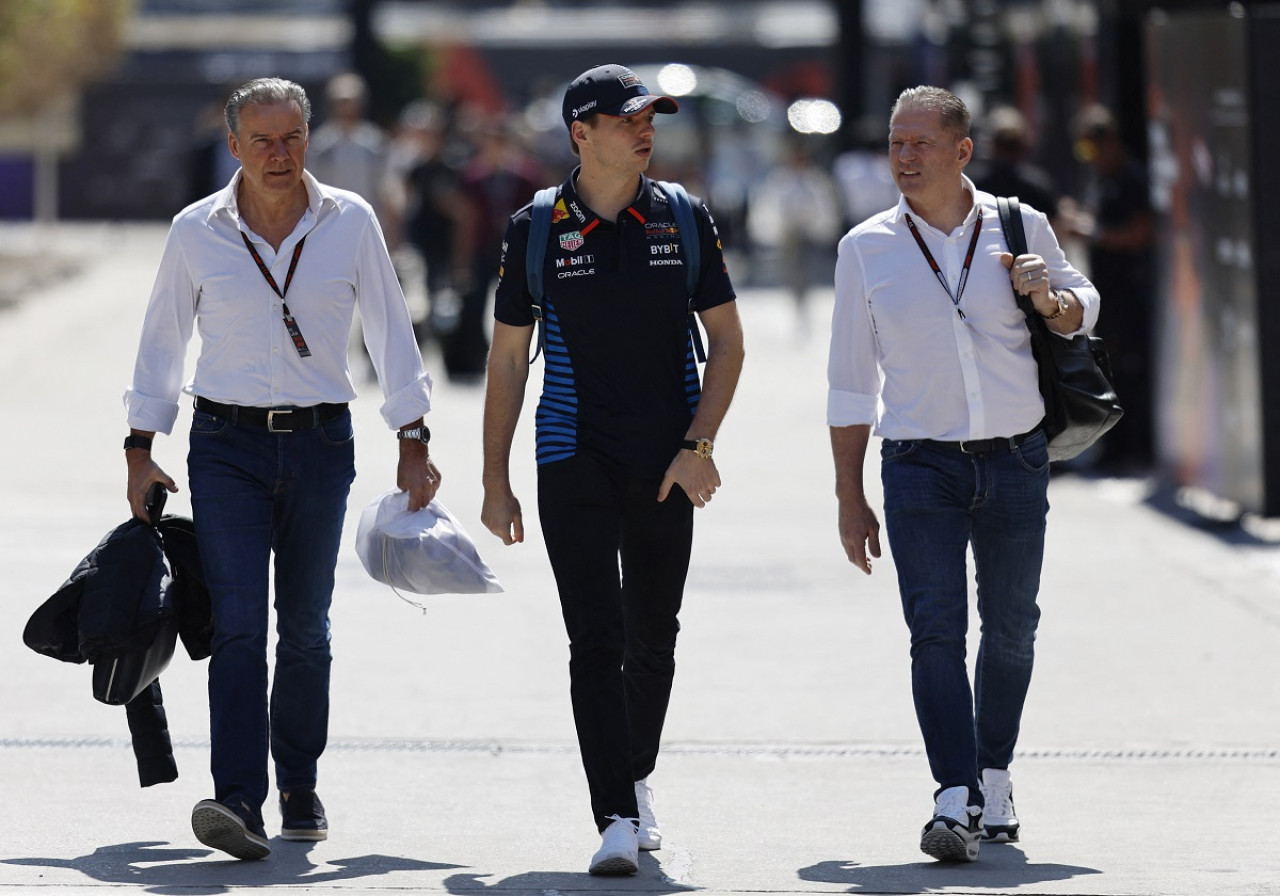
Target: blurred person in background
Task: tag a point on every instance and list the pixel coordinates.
(863, 175)
(795, 212)
(499, 179)
(434, 207)
(271, 455)
(350, 152)
(1007, 169)
(1117, 223)
(624, 433)
(930, 349)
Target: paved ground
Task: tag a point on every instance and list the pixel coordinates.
(1150, 760)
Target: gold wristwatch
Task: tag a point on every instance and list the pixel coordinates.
(700, 447)
(1063, 305)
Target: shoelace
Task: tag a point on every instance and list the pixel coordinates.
(999, 801)
(635, 822)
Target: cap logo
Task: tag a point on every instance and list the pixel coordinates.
(585, 107)
(630, 79)
(633, 105)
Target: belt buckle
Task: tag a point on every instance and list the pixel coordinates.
(979, 447)
(271, 420)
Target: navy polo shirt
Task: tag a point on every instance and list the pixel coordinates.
(620, 377)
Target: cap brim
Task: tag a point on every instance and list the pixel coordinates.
(637, 104)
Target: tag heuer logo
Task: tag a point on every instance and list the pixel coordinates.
(571, 241)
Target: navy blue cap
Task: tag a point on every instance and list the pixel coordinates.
(611, 90)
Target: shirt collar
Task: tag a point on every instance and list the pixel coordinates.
(318, 196)
(642, 202)
(903, 209)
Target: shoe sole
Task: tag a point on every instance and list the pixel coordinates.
(946, 845)
(1000, 833)
(303, 835)
(614, 866)
(219, 828)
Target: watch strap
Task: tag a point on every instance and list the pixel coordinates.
(137, 442)
(417, 433)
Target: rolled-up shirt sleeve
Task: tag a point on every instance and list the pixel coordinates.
(152, 400)
(1042, 241)
(853, 376)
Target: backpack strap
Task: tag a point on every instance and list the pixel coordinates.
(540, 235)
(535, 256)
(691, 246)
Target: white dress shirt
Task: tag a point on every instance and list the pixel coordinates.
(207, 278)
(903, 359)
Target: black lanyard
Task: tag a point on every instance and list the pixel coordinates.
(937, 271)
(290, 324)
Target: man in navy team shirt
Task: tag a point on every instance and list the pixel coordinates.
(624, 433)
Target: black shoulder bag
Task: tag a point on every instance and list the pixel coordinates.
(1080, 404)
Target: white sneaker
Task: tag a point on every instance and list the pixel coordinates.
(648, 836)
(619, 853)
(999, 823)
(955, 831)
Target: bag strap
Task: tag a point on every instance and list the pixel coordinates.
(1015, 235)
(535, 256)
(691, 246)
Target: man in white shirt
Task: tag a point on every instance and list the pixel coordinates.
(271, 450)
(929, 348)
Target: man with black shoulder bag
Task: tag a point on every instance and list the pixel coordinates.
(930, 351)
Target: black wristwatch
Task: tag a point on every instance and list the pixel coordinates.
(700, 447)
(417, 433)
(137, 442)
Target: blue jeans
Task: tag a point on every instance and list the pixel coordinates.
(254, 493)
(939, 501)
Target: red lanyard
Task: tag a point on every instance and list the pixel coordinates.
(937, 271)
(295, 332)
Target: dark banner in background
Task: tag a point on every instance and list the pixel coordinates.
(1209, 130)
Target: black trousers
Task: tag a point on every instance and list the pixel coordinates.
(620, 559)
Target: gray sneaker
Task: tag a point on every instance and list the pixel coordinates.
(235, 829)
(999, 822)
(955, 831)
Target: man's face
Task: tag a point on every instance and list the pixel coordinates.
(620, 143)
(272, 146)
(926, 158)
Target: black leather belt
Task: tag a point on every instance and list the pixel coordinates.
(986, 446)
(286, 419)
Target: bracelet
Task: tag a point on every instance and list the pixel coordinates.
(137, 442)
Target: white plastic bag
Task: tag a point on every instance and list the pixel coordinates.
(426, 552)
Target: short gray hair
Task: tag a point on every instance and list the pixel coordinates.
(955, 114)
(265, 91)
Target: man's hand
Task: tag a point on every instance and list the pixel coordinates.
(501, 515)
(143, 471)
(1029, 275)
(417, 474)
(859, 532)
(698, 477)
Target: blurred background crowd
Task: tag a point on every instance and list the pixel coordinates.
(1134, 124)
